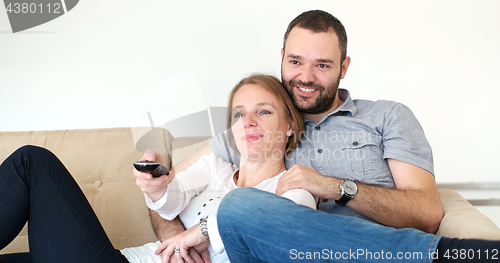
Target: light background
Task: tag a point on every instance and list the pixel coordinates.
(438, 57)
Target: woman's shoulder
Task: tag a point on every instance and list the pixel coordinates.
(217, 166)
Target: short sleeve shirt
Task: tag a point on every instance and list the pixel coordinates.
(354, 141)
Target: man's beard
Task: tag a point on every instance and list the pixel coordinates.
(321, 104)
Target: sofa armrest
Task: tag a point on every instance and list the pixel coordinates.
(462, 220)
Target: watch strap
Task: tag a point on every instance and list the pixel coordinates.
(204, 227)
(343, 200)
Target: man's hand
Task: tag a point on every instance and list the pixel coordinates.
(186, 241)
(307, 178)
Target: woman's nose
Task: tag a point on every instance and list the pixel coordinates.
(249, 121)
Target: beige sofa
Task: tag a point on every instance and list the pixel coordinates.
(101, 162)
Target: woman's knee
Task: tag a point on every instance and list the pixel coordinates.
(29, 156)
(27, 150)
(246, 204)
(242, 200)
(237, 208)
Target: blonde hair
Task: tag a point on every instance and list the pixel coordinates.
(273, 85)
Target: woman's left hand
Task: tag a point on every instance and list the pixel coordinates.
(185, 240)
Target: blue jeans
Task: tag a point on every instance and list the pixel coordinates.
(257, 226)
(62, 227)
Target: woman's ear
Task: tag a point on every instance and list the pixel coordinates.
(291, 129)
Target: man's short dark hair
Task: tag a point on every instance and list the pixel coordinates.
(320, 21)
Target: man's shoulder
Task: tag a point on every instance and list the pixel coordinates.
(378, 106)
(372, 103)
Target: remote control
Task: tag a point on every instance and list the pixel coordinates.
(154, 168)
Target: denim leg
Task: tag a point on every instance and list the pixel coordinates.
(257, 226)
(62, 227)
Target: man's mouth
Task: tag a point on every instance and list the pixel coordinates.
(306, 90)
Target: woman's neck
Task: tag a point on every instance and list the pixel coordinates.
(251, 173)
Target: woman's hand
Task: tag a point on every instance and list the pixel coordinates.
(198, 257)
(191, 238)
(154, 187)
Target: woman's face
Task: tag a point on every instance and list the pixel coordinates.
(259, 124)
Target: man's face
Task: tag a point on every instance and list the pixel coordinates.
(311, 70)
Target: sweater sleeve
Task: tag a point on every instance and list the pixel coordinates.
(301, 197)
(213, 233)
(183, 188)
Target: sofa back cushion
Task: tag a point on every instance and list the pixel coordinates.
(100, 160)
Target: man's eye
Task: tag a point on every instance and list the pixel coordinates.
(323, 66)
(295, 62)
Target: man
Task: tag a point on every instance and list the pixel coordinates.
(360, 158)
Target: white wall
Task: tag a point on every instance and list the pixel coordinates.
(438, 57)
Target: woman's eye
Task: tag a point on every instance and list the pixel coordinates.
(238, 115)
(264, 112)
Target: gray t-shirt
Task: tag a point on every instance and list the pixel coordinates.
(354, 142)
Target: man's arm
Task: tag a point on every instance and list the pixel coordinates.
(414, 203)
(165, 229)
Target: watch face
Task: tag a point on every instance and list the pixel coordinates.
(350, 187)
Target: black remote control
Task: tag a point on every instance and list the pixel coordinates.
(156, 169)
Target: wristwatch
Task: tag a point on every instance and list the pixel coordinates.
(348, 190)
(204, 227)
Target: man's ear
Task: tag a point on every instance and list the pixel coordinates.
(345, 65)
(282, 53)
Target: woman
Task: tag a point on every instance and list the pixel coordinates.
(35, 186)
(264, 125)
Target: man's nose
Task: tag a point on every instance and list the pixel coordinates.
(307, 74)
